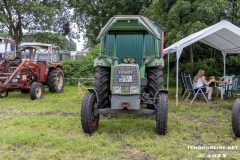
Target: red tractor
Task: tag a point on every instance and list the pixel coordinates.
(29, 69)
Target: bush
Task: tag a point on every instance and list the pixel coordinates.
(80, 68)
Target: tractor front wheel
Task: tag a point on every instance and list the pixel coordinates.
(3, 94)
(161, 114)
(89, 116)
(56, 80)
(36, 90)
(236, 118)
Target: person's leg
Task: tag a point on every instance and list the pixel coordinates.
(209, 92)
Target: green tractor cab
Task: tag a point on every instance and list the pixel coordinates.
(129, 73)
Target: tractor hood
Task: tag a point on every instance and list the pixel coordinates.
(130, 23)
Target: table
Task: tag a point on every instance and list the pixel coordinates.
(221, 82)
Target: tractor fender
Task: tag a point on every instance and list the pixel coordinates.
(95, 92)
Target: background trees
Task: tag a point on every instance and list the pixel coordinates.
(52, 21)
(33, 16)
(92, 15)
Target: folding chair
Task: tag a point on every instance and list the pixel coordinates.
(184, 84)
(192, 90)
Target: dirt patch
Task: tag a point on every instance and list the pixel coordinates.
(223, 106)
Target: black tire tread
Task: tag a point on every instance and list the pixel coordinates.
(162, 114)
(236, 118)
(102, 86)
(86, 112)
(33, 88)
(155, 80)
(52, 75)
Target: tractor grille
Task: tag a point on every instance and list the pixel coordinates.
(125, 86)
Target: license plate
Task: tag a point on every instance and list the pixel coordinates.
(124, 78)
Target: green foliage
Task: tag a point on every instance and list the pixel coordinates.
(92, 15)
(15, 16)
(51, 38)
(181, 18)
(81, 68)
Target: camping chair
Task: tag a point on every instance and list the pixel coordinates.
(235, 86)
(192, 91)
(184, 84)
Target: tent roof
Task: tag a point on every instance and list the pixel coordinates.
(143, 24)
(223, 36)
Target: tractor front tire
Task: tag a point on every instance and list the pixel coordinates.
(56, 80)
(3, 94)
(102, 86)
(36, 90)
(236, 118)
(155, 82)
(161, 113)
(88, 119)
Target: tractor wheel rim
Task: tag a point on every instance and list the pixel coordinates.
(94, 122)
(59, 81)
(38, 91)
(3, 94)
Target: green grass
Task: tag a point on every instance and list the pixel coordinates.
(50, 128)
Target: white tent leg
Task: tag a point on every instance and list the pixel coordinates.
(224, 64)
(168, 74)
(177, 83)
(179, 52)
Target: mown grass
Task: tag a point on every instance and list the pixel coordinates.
(50, 128)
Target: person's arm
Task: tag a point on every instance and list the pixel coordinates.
(205, 82)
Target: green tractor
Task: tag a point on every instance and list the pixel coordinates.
(129, 73)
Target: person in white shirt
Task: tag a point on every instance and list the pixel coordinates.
(201, 82)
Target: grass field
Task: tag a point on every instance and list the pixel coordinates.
(50, 128)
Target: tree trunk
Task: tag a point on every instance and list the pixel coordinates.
(191, 54)
(191, 58)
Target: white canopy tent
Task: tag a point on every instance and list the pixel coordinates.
(223, 36)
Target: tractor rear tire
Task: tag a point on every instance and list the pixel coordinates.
(3, 94)
(155, 81)
(56, 80)
(161, 114)
(102, 86)
(236, 118)
(89, 121)
(36, 90)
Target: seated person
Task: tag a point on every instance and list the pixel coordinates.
(201, 82)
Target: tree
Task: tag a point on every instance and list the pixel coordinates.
(51, 38)
(92, 15)
(37, 15)
(181, 18)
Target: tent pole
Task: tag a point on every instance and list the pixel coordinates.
(224, 64)
(179, 52)
(177, 81)
(168, 74)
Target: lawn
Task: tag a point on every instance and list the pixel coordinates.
(50, 128)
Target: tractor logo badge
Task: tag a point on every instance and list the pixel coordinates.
(125, 72)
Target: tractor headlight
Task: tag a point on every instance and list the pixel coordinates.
(134, 89)
(116, 89)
